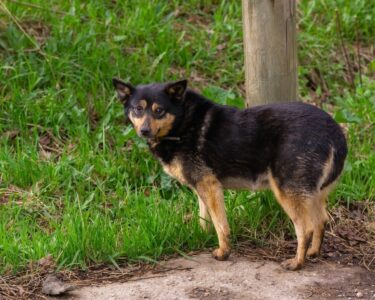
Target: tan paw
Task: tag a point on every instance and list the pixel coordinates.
(221, 254)
(291, 264)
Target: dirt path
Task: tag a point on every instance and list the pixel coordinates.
(239, 278)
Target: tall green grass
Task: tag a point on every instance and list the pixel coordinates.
(75, 180)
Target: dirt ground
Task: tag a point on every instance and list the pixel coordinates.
(202, 277)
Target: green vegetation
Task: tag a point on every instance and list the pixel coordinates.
(76, 182)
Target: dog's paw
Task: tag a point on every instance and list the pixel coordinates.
(291, 264)
(221, 254)
(312, 253)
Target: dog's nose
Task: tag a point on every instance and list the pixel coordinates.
(145, 132)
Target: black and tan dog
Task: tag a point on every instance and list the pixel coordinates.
(295, 149)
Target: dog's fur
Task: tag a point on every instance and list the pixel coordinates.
(295, 149)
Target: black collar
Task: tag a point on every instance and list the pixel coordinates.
(153, 143)
(171, 138)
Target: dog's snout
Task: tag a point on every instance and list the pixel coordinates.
(145, 132)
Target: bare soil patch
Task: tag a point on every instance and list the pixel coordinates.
(202, 277)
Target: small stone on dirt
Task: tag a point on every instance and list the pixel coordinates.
(54, 286)
(359, 295)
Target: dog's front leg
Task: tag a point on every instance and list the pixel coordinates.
(210, 192)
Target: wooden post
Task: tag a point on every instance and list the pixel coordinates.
(269, 28)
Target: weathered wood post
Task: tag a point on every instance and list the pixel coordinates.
(269, 28)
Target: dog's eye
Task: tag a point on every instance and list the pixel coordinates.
(159, 111)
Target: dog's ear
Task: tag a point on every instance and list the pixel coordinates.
(176, 89)
(124, 90)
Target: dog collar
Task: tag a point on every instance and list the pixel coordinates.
(153, 143)
(171, 138)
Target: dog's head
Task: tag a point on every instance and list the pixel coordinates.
(153, 109)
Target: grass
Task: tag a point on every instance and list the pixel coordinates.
(75, 180)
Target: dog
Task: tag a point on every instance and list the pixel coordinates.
(295, 149)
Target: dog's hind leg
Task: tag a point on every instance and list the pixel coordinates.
(297, 208)
(204, 216)
(304, 232)
(320, 218)
(210, 192)
(318, 210)
(317, 240)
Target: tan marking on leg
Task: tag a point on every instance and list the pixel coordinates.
(204, 216)
(316, 241)
(320, 219)
(296, 207)
(210, 191)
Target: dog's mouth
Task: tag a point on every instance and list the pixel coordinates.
(147, 135)
(151, 137)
